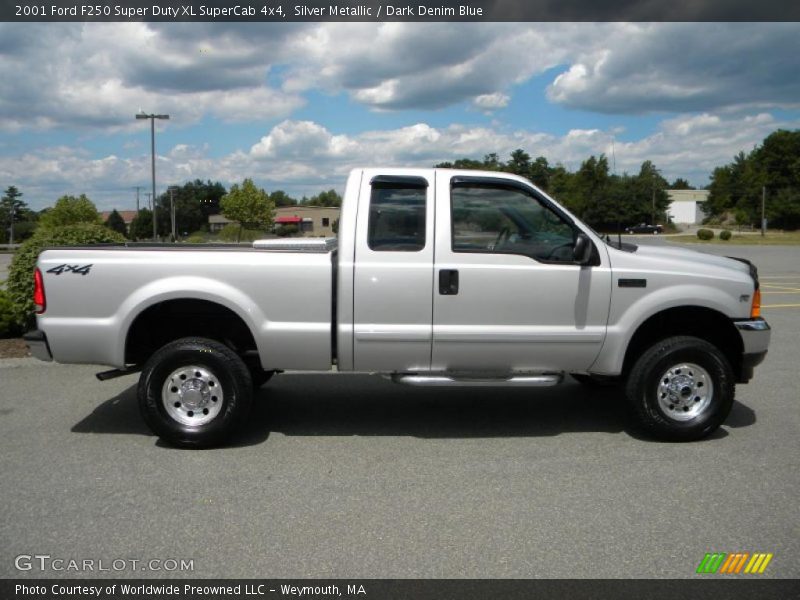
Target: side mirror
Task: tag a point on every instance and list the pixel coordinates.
(582, 252)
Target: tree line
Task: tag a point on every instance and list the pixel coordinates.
(194, 202)
(605, 200)
(770, 173)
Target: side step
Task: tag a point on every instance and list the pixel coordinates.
(114, 373)
(522, 380)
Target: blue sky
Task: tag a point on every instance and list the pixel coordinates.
(295, 107)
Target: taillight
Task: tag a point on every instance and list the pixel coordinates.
(755, 310)
(38, 292)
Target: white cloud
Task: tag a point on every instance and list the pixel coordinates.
(94, 75)
(304, 157)
(490, 102)
(684, 67)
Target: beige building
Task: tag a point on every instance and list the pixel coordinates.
(311, 221)
(686, 206)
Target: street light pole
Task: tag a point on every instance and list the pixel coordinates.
(172, 211)
(11, 225)
(153, 117)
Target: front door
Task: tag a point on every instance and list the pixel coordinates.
(508, 295)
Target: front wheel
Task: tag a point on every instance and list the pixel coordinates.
(194, 392)
(681, 389)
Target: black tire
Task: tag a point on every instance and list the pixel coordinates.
(220, 371)
(668, 413)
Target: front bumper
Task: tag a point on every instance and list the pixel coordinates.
(755, 335)
(37, 344)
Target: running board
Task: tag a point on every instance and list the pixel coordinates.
(114, 373)
(540, 380)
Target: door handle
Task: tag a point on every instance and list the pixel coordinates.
(448, 282)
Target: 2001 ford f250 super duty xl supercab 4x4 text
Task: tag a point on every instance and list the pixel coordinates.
(439, 277)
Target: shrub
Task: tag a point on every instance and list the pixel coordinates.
(70, 210)
(196, 238)
(286, 230)
(8, 321)
(230, 233)
(20, 273)
(705, 234)
(725, 235)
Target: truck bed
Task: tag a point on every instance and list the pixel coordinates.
(281, 289)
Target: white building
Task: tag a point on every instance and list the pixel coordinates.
(686, 206)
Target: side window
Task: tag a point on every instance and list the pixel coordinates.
(499, 220)
(396, 217)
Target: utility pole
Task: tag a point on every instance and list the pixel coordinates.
(11, 227)
(763, 203)
(653, 215)
(138, 187)
(153, 118)
(172, 211)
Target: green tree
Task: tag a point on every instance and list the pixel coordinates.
(248, 205)
(519, 163)
(12, 211)
(281, 198)
(772, 168)
(681, 184)
(70, 210)
(115, 222)
(328, 198)
(194, 202)
(142, 225)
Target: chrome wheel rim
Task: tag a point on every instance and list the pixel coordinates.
(192, 395)
(685, 391)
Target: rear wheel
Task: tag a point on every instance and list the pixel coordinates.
(681, 389)
(194, 392)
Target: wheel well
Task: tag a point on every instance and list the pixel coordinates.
(174, 319)
(697, 321)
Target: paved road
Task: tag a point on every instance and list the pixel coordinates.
(351, 476)
(5, 260)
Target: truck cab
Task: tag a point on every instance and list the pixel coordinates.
(466, 272)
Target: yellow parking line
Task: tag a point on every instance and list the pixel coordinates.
(780, 305)
(781, 287)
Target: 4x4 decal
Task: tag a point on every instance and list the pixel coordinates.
(77, 269)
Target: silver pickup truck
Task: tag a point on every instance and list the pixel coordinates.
(439, 277)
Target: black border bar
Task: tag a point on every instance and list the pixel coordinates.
(708, 587)
(397, 10)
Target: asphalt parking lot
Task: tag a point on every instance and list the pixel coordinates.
(5, 261)
(351, 476)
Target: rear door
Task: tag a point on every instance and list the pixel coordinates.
(393, 272)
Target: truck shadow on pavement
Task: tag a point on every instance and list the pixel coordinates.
(348, 405)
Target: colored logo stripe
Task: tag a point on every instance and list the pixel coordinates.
(711, 562)
(733, 563)
(758, 563)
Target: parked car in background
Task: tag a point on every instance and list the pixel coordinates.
(645, 228)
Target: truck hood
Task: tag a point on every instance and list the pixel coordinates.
(692, 257)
